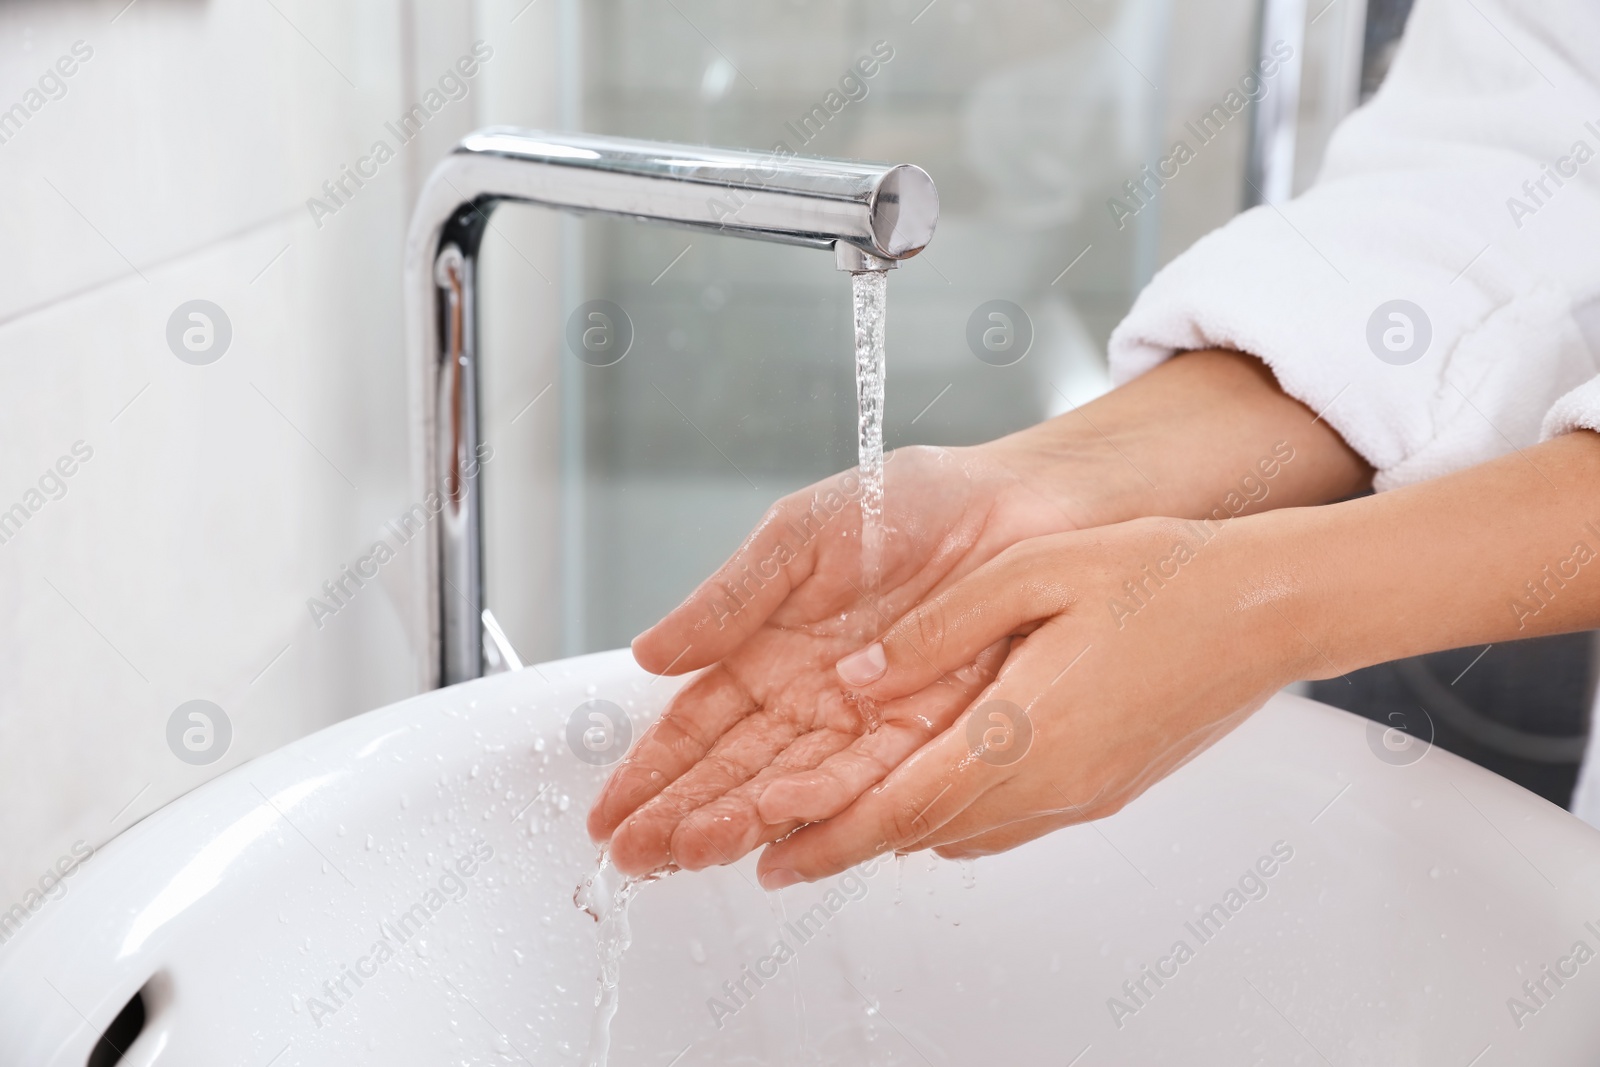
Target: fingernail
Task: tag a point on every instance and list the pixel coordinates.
(864, 667)
(778, 878)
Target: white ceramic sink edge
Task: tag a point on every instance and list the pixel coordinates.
(397, 889)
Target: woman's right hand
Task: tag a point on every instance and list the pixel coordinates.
(792, 601)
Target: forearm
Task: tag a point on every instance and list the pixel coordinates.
(1194, 435)
(1506, 550)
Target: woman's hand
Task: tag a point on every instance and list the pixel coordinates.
(774, 620)
(1134, 647)
(1182, 440)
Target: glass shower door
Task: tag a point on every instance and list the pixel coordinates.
(623, 485)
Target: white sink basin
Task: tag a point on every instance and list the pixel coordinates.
(1406, 904)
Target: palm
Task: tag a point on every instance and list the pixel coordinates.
(766, 739)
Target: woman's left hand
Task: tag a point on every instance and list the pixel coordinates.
(1137, 645)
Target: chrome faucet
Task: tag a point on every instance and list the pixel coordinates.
(871, 215)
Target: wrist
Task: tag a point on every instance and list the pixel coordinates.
(1205, 434)
(1073, 470)
(1493, 553)
(1275, 586)
(1246, 597)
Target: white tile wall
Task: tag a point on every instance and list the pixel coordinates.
(218, 498)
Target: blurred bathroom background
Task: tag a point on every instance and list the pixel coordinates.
(180, 161)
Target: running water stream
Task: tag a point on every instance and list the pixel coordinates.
(869, 300)
(869, 290)
(606, 893)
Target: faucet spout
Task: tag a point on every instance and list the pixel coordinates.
(871, 215)
(886, 211)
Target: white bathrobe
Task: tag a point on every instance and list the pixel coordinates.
(1470, 187)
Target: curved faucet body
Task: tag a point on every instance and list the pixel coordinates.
(871, 216)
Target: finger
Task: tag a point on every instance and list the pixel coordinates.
(951, 775)
(777, 556)
(823, 792)
(1018, 724)
(1007, 595)
(642, 843)
(694, 721)
(727, 828)
(908, 724)
(1109, 764)
(933, 786)
(716, 801)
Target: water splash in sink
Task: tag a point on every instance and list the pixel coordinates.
(605, 896)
